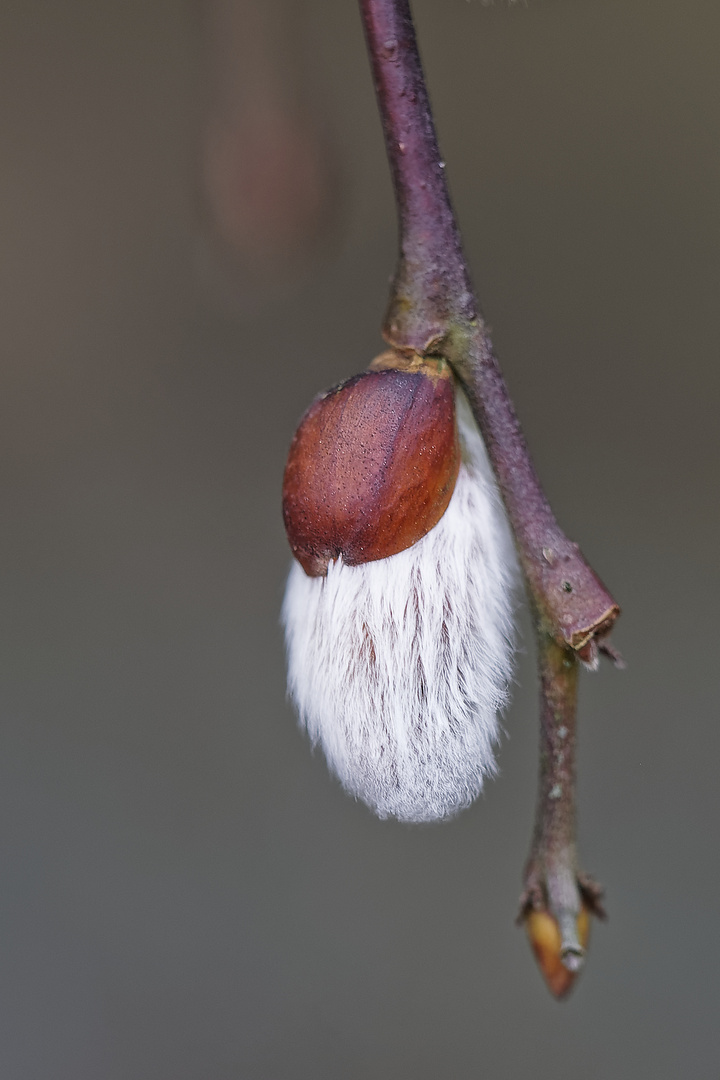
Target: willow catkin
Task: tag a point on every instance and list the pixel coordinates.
(400, 667)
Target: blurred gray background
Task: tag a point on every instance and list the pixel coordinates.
(197, 233)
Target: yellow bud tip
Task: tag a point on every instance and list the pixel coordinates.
(559, 962)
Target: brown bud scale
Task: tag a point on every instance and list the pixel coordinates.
(372, 466)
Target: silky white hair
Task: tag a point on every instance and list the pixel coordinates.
(399, 667)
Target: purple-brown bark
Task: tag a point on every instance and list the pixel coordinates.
(433, 311)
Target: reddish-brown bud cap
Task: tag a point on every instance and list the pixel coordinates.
(544, 934)
(373, 464)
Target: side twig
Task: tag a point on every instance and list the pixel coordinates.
(433, 311)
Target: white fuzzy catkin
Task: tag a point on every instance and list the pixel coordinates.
(399, 667)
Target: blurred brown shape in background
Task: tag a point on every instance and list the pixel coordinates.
(268, 180)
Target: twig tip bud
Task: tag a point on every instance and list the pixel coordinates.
(560, 956)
